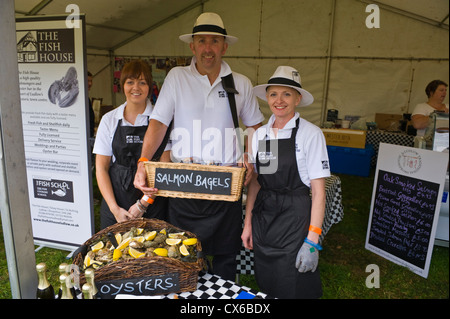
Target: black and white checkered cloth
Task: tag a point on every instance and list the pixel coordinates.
(209, 286)
(334, 212)
(376, 137)
(213, 287)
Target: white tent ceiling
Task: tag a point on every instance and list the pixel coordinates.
(114, 23)
(344, 64)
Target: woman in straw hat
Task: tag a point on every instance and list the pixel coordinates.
(283, 222)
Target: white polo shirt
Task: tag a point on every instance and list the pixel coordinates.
(108, 125)
(424, 109)
(310, 147)
(203, 125)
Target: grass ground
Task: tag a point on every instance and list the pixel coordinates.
(342, 263)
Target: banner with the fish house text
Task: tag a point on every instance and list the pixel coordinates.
(53, 91)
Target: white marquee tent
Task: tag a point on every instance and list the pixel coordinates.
(345, 64)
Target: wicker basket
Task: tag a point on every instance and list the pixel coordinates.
(145, 266)
(237, 179)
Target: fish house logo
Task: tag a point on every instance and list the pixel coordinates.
(46, 46)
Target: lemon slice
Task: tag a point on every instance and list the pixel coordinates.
(135, 253)
(161, 252)
(117, 254)
(190, 241)
(118, 237)
(150, 235)
(173, 241)
(87, 261)
(139, 239)
(184, 251)
(163, 231)
(139, 231)
(175, 235)
(97, 246)
(124, 243)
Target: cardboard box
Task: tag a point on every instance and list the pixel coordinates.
(389, 122)
(351, 161)
(345, 137)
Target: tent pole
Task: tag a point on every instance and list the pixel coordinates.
(410, 89)
(14, 204)
(112, 65)
(259, 39)
(328, 64)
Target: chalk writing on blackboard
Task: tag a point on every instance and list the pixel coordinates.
(402, 217)
(147, 286)
(184, 180)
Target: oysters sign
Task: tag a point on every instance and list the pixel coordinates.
(54, 101)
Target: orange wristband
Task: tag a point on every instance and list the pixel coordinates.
(143, 159)
(315, 229)
(148, 199)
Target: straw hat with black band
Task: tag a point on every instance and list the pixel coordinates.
(285, 76)
(208, 23)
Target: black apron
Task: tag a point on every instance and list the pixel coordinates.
(126, 147)
(217, 224)
(280, 222)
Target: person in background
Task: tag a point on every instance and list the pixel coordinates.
(282, 222)
(436, 92)
(195, 99)
(118, 147)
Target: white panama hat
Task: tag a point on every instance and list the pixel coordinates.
(208, 23)
(285, 76)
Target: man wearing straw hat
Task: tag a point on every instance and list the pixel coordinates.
(195, 99)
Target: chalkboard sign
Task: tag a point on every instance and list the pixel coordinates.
(204, 182)
(147, 286)
(406, 198)
(403, 215)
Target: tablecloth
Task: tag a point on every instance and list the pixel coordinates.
(211, 286)
(376, 137)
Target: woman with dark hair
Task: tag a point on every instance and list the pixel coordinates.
(436, 91)
(118, 147)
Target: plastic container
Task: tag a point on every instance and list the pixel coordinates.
(351, 161)
(345, 124)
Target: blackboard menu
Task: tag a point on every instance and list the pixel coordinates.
(403, 214)
(406, 200)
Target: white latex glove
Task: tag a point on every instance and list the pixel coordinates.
(307, 258)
